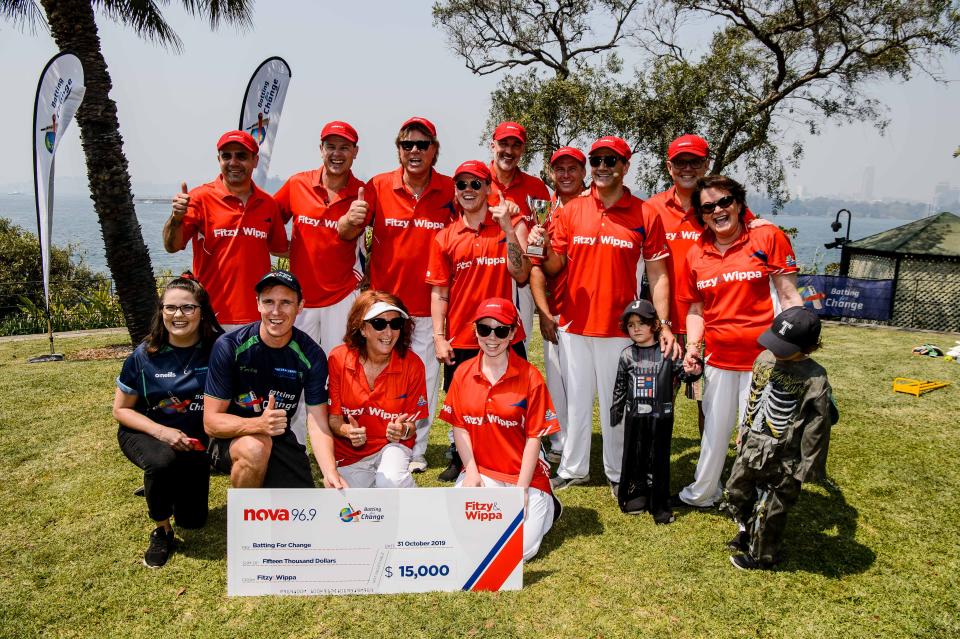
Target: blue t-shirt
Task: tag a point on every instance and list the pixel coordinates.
(245, 371)
(168, 385)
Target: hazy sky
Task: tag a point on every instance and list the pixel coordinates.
(374, 66)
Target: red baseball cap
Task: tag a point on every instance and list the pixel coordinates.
(499, 309)
(692, 144)
(510, 130)
(568, 152)
(425, 123)
(475, 168)
(242, 138)
(338, 127)
(615, 144)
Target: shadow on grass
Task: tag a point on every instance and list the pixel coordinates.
(820, 536)
(531, 577)
(576, 521)
(209, 542)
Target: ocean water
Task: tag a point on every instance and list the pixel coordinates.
(76, 223)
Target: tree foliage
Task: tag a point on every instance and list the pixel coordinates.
(738, 72)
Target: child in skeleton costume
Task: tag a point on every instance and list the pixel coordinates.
(783, 437)
(647, 382)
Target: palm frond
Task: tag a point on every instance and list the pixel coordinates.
(145, 17)
(24, 14)
(235, 12)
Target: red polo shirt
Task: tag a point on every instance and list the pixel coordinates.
(501, 417)
(521, 187)
(399, 388)
(232, 242)
(327, 268)
(736, 292)
(473, 263)
(403, 231)
(682, 231)
(603, 247)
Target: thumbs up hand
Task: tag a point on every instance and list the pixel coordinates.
(181, 201)
(273, 419)
(356, 432)
(359, 210)
(504, 212)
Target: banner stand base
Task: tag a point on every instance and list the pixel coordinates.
(49, 357)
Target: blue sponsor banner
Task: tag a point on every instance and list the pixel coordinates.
(835, 296)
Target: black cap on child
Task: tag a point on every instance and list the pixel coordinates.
(795, 329)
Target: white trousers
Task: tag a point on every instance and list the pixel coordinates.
(325, 325)
(552, 364)
(589, 366)
(537, 520)
(387, 468)
(724, 400)
(525, 306)
(421, 343)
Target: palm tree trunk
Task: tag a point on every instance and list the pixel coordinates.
(74, 28)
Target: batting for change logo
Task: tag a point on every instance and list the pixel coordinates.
(365, 541)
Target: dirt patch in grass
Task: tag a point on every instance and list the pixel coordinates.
(115, 351)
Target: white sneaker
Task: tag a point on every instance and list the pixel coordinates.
(417, 465)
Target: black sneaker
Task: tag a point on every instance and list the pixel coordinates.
(614, 488)
(450, 451)
(739, 543)
(663, 517)
(161, 545)
(636, 505)
(746, 562)
(452, 471)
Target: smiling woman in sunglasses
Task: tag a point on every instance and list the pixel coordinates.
(727, 282)
(377, 394)
(499, 408)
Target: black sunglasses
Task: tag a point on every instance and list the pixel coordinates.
(473, 184)
(378, 323)
(422, 145)
(609, 161)
(484, 330)
(724, 202)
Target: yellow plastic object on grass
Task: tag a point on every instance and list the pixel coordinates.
(915, 386)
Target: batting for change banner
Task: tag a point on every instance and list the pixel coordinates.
(59, 94)
(262, 105)
(365, 541)
(836, 296)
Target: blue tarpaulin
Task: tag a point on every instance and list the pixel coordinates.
(835, 296)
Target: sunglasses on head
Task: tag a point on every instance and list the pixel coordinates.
(608, 161)
(422, 145)
(378, 323)
(484, 330)
(473, 184)
(710, 207)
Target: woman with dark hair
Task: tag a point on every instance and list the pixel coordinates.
(377, 394)
(159, 404)
(737, 278)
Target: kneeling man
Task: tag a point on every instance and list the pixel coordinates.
(256, 377)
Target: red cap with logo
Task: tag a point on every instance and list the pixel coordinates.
(475, 168)
(340, 128)
(568, 152)
(510, 130)
(499, 309)
(615, 144)
(242, 138)
(692, 144)
(425, 123)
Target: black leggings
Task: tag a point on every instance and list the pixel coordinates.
(176, 483)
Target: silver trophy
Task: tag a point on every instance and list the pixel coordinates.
(540, 210)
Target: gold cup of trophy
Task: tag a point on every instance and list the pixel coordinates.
(540, 210)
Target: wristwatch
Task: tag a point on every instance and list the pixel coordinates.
(666, 322)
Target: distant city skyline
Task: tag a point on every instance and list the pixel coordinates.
(374, 69)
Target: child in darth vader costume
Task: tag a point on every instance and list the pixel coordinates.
(646, 384)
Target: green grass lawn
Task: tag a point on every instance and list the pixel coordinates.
(874, 552)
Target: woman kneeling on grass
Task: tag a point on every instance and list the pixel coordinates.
(499, 408)
(159, 404)
(377, 394)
